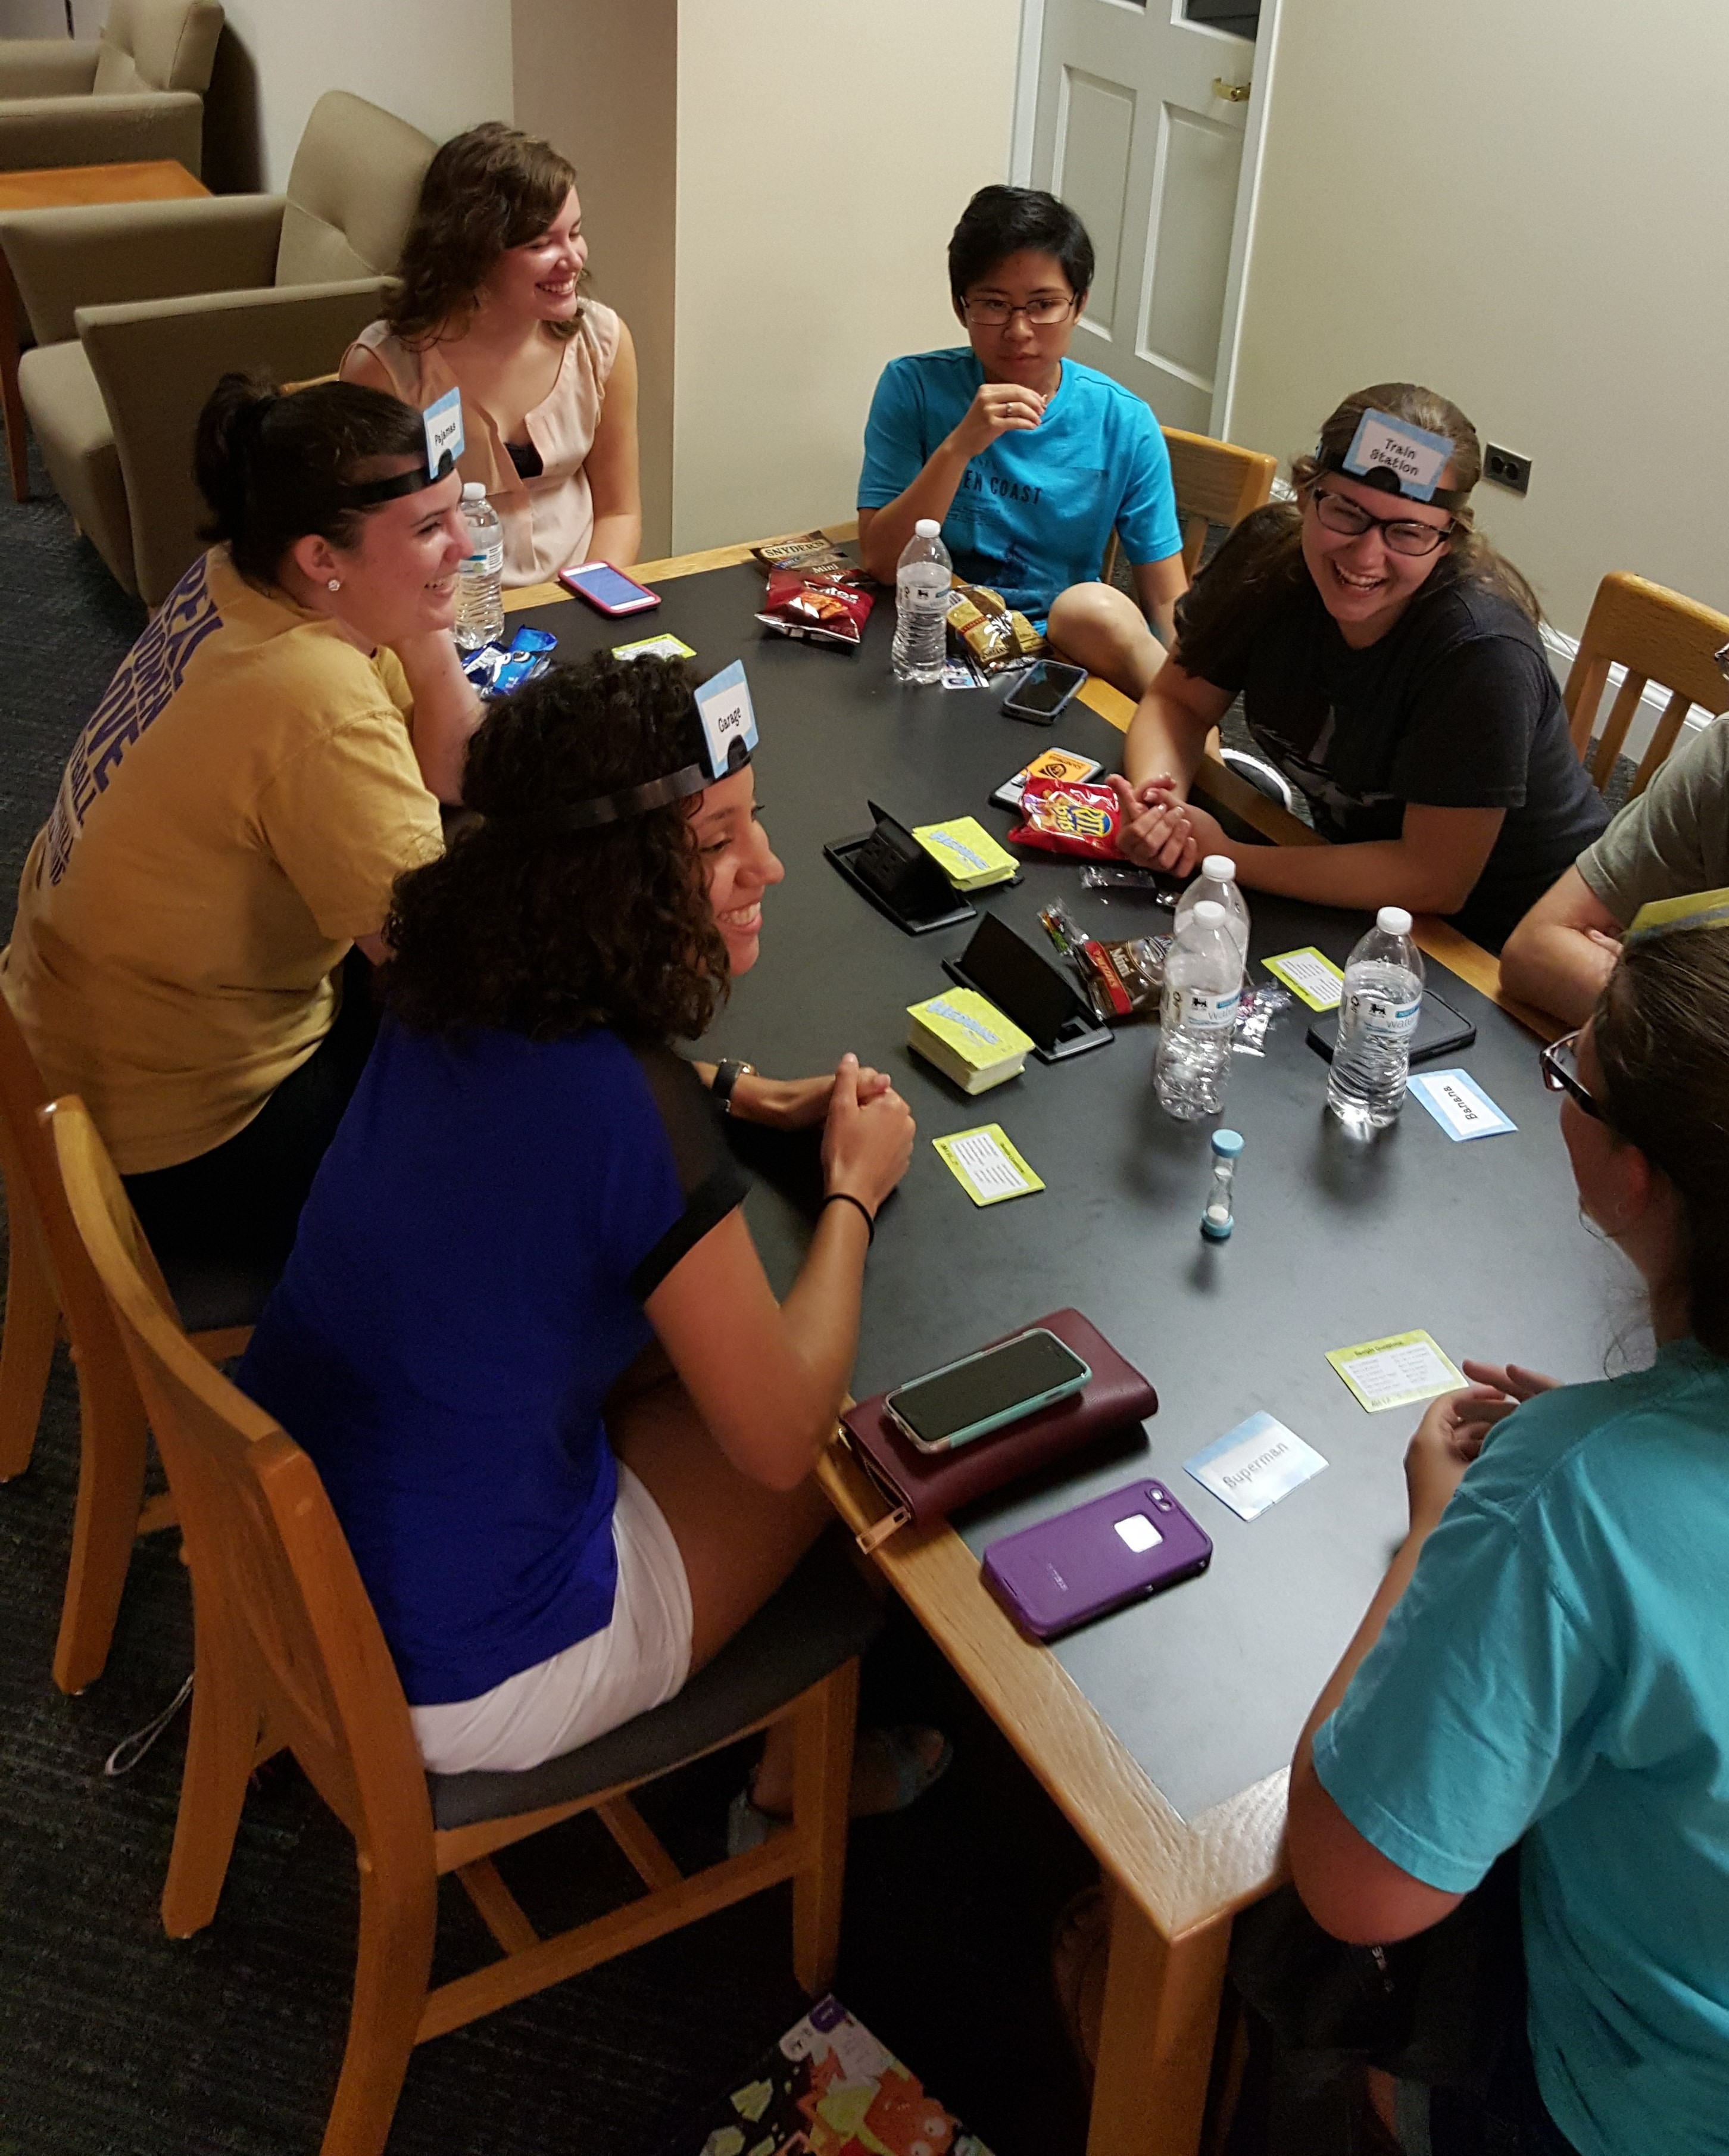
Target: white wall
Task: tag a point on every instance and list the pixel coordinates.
(825, 152)
(441, 65)
(1523, 206)
(47, 18)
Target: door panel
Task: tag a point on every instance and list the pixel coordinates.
(1096, 127)
(1195, 202)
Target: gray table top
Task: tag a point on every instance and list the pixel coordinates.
(1336, 1242)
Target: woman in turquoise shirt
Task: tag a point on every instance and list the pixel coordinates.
(1547, 1663)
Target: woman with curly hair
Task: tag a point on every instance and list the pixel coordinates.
(490, 303)
(529, 1193)
(1389, 663)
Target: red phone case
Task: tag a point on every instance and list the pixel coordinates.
(1062, 1572)
(569, 579)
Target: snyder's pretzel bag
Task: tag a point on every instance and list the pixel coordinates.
(1063, 817)
(824, 607)
(812, 550)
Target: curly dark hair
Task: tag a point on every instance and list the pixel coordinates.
(1263, 555)
(485, 193)
(532, 927)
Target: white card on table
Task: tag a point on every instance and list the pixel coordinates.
(1311, 974)
(1394, 1371)
(986, 1165)
(1460, 1105)
(1255, 1466)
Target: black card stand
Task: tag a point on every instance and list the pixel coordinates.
(892, 869)
(1008, 972)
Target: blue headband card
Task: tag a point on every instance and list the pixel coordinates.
(1414, 456)
(729, 722)
(443, 433)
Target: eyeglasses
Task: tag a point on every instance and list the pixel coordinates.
(1403, 534)
(1560, 1061)
(996, 314)
(1722, 660)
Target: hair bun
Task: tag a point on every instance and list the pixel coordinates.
(229, 430)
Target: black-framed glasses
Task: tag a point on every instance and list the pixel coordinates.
(1560, 1060)
(1403, 534)
(996, 314)
(1722, 660)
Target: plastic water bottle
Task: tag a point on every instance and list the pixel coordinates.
(1203, 985)
(1378, 1010)
(479, 596)
(1217, 1217)
(921, 589)
(1218, 880)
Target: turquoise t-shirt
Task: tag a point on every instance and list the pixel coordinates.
(1035, 513)
(1558, 1669)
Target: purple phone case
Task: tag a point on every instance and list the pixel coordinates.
(1063, 1572)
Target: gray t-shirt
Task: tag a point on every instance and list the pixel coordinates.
(1675, 838)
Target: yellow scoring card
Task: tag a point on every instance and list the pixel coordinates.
(986, 1165)
(1311, 974)
(1394, 1371)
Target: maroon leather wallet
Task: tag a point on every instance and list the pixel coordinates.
(929, 1486)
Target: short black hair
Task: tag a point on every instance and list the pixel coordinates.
(999, 222)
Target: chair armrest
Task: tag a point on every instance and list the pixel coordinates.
(48, 67)
(157, 361)
(35, 131)
(114, 252)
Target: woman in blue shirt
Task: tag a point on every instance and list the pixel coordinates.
(1547, 1663)
(529, 1193)
(1028, 460)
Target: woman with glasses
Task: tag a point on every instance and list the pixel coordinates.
(1026, 461)
(1389, 663)
(1546, 1664)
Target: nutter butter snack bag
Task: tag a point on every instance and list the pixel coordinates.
(992, 634)
(1061, 816)
(825, 606)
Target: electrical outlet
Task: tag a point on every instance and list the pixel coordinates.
(1508, 469)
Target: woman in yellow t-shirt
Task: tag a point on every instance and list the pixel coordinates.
(270, 756)
(491, 302)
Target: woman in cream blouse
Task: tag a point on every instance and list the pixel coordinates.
(490, 303)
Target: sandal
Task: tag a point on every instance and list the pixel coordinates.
(748, 1826)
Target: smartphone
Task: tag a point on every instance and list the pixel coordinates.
(608, 590)
(984, 1392)
(1095, 1558)
(1042, 691)
(1440, 1031)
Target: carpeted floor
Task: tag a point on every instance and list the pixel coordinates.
(116, 2041)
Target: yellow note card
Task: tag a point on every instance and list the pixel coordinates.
(966, 852)
(987, 1166)
(1311, 974)
(1394, 1371)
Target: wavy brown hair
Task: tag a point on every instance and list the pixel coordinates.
(485, 193)
(528, 926)
(1264, 556)
(1660, 1031)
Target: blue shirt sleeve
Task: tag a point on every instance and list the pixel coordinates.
(1471, 1717)
(1147, 518)
(895, 446)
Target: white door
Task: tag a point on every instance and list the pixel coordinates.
(1133, 127)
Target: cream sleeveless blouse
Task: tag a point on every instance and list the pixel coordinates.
(549, 520)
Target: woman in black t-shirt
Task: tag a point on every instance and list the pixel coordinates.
(1389, 663)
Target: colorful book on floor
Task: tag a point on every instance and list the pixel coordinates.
(966, 853)
(827, 2088)
(968, 1040)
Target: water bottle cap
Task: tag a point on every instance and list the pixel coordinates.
(1220, 867)
(1227, 1144)
(927, 527)
(472, 491)
(1393, 920)
(1209, 913)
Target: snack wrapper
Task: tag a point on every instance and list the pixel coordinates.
(1061, 816)
(1121, 979)
(992, 635)
(825, 606)
(812, 550)
(495, 671)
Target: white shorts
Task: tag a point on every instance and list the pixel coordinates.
(641, 1658)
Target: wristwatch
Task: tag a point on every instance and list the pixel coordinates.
(727, 1072)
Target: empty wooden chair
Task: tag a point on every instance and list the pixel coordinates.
(1658, 637)
(289, 1654)
(51, 1292)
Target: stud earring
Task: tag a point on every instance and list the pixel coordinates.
(335, 583)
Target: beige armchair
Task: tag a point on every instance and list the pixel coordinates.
(133, 94)
(138, 308)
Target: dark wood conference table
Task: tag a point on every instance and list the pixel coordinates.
(1163, 1731)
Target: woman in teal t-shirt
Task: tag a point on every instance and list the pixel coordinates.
(1547, 1663)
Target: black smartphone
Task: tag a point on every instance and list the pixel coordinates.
(1440, 1030)
(1043, 691)
(987, 1391)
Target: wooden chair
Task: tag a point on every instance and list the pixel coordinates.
(53, 1293)
(1658, 636)
(1215, 483)
(289, 1654)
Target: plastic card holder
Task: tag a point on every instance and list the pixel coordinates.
(890, 868)
(1440, 1030)
(1017, 978)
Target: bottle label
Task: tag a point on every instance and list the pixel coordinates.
(1201, 1011)
(487, 562)
(1380, 1016)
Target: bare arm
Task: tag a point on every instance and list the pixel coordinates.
(611, 465)
(1159, 585)
(1168, 733)
(1432, 866)
(1561, 955)
(1000, 407)
(446, 709)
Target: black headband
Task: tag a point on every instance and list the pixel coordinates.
(368, 493)
(1386, 481)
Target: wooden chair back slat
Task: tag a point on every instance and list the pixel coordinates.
(1213, 483)
(1656, 635)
